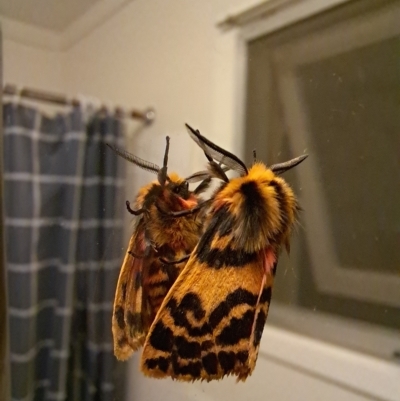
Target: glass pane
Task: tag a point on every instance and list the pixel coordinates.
(352, 102)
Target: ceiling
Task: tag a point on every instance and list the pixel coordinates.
(55, 15)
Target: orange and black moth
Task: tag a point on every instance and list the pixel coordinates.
(157, 250)
(211, 321)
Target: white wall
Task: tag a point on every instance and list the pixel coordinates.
(169, 55)
(162, 54)
(153, 53)
(32, 66)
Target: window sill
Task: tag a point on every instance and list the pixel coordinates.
(354, 364)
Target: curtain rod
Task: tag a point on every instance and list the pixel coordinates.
(147, 116)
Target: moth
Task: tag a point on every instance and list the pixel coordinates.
(157, 250)
(211, 321)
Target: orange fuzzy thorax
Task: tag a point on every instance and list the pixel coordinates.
(263, 205)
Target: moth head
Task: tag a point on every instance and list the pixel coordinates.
(178, 186)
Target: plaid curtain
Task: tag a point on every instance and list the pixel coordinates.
(63, 244)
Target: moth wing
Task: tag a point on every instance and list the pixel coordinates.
(211, 321)
(129, 310)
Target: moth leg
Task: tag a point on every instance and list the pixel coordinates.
(253, 327)
(175, 262)
(136, 255)
(264, 279)
(269, 259)
(186, 212)
(131, 211)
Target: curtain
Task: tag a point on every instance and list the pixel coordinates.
(63, 208)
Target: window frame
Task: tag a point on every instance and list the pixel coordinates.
(280, 15)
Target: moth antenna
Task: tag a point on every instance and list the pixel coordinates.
(217, 171)
(162, 173)
(216, 152)
(209, 158)
(254, 156)
(203, 186)
(196, 177)
(285, 166)
(145, 165)
(165, 164)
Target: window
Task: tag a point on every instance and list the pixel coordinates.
(329, 86)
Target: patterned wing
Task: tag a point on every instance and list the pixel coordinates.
(210, 323)
(157, 280)
(130, 316)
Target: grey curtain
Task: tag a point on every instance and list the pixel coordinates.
(63, 210)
